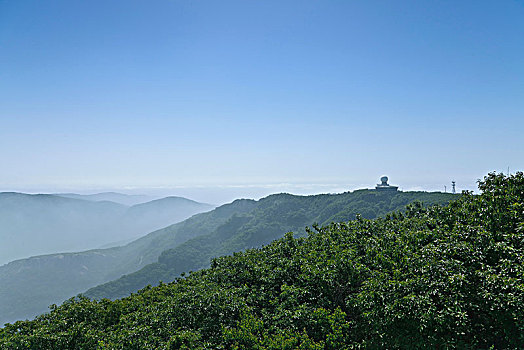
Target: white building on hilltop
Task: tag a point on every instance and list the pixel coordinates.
(384, 186)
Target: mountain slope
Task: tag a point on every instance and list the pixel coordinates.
(268, 220)
(28, 286)
(444, 277)
(162, 212)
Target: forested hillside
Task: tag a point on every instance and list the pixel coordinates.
(269, 219)
(438, 277)
(29, 286)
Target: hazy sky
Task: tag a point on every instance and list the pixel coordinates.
(279, 95)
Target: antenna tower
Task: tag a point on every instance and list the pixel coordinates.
(453, 187)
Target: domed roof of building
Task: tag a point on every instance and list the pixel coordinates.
(384, 186)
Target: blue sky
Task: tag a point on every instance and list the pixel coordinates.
(298, 96)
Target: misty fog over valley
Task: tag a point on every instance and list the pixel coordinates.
(45, 223)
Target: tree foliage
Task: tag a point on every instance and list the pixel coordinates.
(437, 277)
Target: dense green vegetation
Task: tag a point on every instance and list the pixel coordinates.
(437, 277)
(267, 220)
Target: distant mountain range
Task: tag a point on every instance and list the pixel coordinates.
(125, 199)
(28, 286)
(34, 224)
